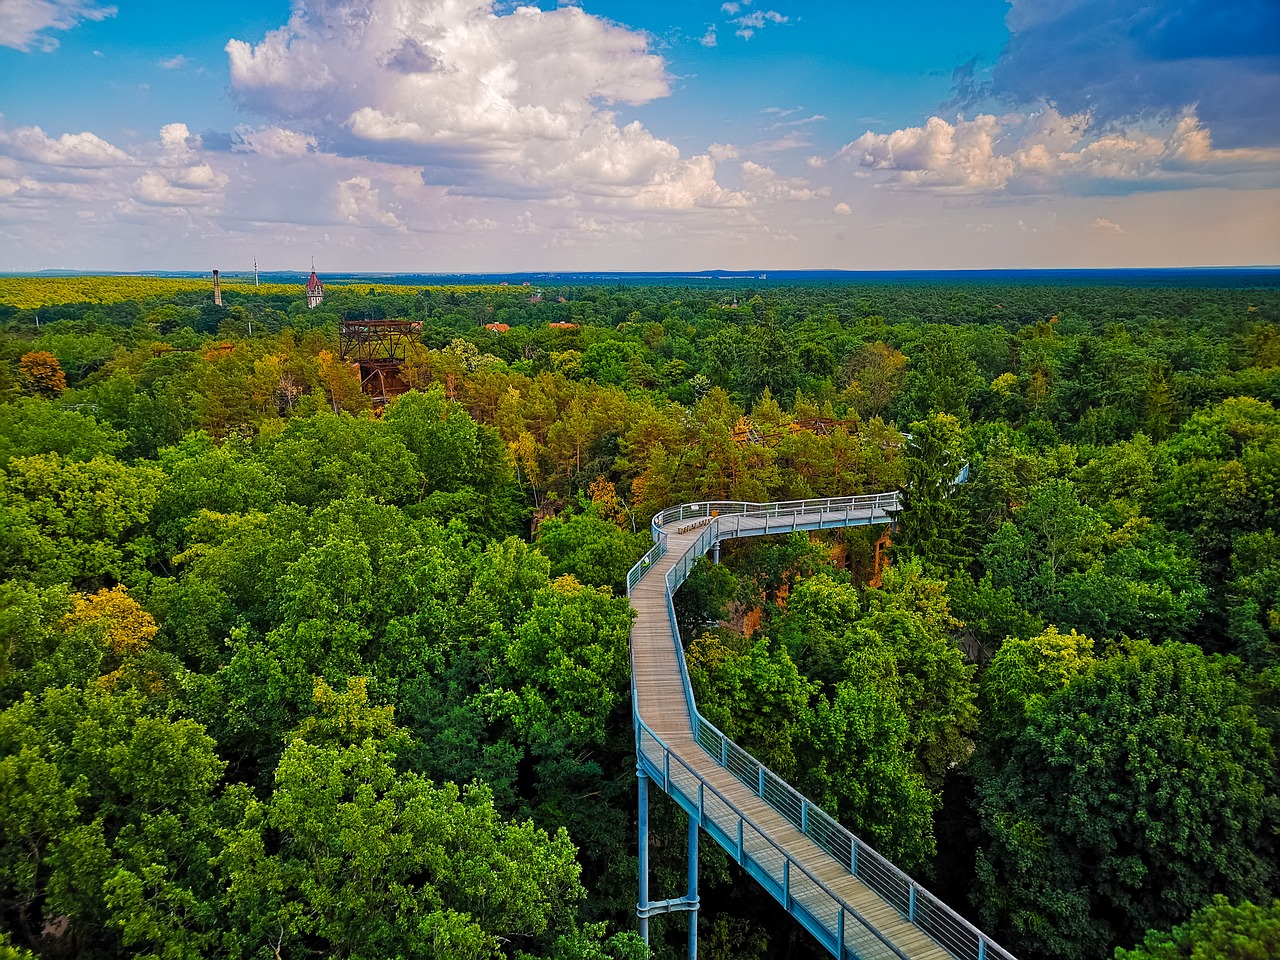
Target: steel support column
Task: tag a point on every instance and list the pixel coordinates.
(642, 907)
(693, 888)
(646, 908)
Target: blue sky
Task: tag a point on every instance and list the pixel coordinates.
(464, 135)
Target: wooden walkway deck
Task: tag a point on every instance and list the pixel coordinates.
(661, 703)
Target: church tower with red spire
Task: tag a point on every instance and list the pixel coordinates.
(315, 288)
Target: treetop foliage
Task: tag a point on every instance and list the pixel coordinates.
(284, 673)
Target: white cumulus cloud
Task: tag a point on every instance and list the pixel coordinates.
(522, 101)
(1045, 152)
(26, 23)
(762, 181)
(84, 150)
(939, 154)
(180, 175)
(359, 202)
(275, 142)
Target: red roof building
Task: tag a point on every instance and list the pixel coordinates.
(315, 290)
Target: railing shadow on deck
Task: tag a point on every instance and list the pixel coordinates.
(834, 922)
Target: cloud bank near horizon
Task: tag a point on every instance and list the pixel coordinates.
(400, 134)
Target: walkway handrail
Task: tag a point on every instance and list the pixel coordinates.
(704, 788)
(915, 903)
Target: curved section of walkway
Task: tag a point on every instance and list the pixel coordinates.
(850, 898)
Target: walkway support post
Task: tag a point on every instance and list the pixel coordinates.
(715, 552)
(693, 888)
(646, 908)
(642, 907)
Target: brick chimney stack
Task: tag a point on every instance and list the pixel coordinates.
(217, 290)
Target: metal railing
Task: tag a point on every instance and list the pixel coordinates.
(823, 909)
(833, 921)
(784, 508)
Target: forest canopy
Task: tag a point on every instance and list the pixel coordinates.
(289, 672)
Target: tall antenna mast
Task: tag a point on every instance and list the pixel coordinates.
(255, 271)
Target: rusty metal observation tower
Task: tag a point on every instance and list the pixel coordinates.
(379, 349)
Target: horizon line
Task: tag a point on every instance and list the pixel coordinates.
(743, 273)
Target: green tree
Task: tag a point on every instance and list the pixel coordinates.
(559, 691)
(704, 597)
(932, 524)
(31, 425)
(1026, 672)
(83, 522)
(1130, 797)
(96, 791)
(909, 623)
(857, 764)
(78, 354)
(325, 457)
(874, 375)
(754, 694)
(590, 548)
(1062, 560)
(1220, 931)
(350, 858)
(205, 475)
(1254, 599)
(464, 466)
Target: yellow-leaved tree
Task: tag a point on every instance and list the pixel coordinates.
(42, 374)
(341, 382)
(127, 630)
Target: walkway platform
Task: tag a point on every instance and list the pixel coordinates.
(856, 903)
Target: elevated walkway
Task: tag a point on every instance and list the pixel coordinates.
(856, 903)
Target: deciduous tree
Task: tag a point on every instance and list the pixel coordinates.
(1131, 796)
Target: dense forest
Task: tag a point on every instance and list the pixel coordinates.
(285, 675)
